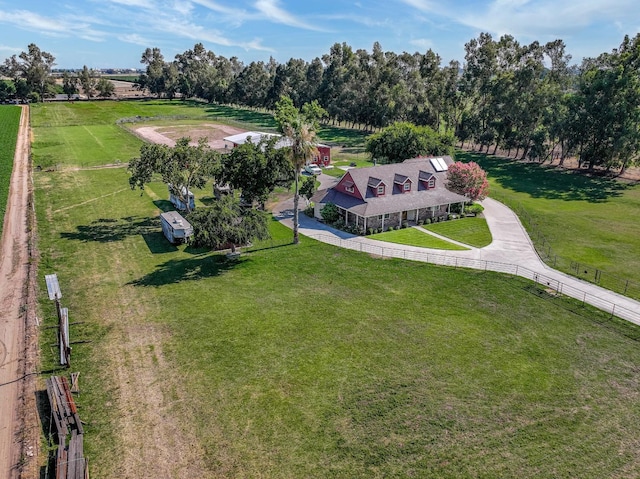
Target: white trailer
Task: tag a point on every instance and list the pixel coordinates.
(175, 228)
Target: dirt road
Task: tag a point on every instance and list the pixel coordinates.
(14, 263)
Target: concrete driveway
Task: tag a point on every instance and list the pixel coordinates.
(511, 251)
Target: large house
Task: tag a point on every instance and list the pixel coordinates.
(382, 196)
(323, 158)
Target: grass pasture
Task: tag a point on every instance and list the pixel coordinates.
(471, 231)
(588, 220)
(313, 361)
(366, 368)
(9, 124)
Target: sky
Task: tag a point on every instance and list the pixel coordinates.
(114, 33)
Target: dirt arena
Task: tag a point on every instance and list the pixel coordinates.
(167, 135)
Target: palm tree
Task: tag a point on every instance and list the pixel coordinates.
(300, 129)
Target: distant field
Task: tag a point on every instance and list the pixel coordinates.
(313, 361)
(127, 78)
(588, 220)
(9, 124)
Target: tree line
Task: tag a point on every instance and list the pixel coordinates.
(31, 78)
(527, 100)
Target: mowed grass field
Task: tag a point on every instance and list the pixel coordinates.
(9, 124)
(589, 220)
(312, 361)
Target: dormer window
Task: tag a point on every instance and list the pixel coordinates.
(349, 187)
(431, 183)
(406, 187)
(380, 190)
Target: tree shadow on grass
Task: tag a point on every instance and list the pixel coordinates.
(164, 205)
(105, 230)
(158, 244)
(543, 181)
(177, 270)
(255, 118)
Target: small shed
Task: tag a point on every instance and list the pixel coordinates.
(175, 227)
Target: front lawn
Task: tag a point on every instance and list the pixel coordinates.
(414, 237)
(471, 231)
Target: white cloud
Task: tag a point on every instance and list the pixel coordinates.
(148, 4)
(27, 20)
(135, 39)
(5, 48)
(272, 11)
(531, 18)
(216, 7)
(202, 34)
(423, 44)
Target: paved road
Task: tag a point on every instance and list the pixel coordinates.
(511, 251)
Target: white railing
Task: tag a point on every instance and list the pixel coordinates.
(456, 262)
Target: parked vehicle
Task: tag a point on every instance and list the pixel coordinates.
(313, 169)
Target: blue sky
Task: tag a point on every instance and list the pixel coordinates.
(114, 33)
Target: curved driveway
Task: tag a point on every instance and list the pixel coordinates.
(511, 251)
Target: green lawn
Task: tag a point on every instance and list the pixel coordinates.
(471, 231)
(314, 361)
(587, 220)
(9, 124)
(413, 237)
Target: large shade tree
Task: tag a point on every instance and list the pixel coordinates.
(404, 140)
(226, 224)
(182, 167)
(32, 67)
(256, 169)
(300, 127)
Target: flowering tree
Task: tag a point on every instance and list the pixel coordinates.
(468, 179)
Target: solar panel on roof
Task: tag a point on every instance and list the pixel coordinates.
(443, 164)
(438, 164)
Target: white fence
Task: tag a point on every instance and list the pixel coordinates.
(456, 262)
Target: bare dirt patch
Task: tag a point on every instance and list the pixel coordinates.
(167, 135)
(18, 432)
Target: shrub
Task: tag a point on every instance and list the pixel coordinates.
(330, 213)
(420, 222)
(309, 210)
(370, 231)
(473, 209)
(427, 221)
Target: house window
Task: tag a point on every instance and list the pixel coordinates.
(406, 186)
(432, 182)
(349, 189)
(326, 158)
(381, 190)
(385, 216)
